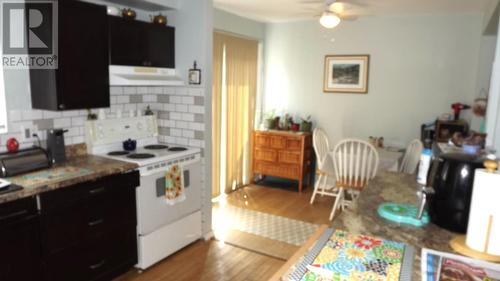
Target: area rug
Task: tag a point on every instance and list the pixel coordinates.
(268, 234)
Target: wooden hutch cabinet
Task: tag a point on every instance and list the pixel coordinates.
(283, 154)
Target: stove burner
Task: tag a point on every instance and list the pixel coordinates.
(118, 153)
(140, 156)
(177, 148)
(156, 146)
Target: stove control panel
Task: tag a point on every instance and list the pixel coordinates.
(106, 131)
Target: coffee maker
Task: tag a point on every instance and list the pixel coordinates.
(451, 177)
(55, 145)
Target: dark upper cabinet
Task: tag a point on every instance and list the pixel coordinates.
(137, 43)
(82, 78)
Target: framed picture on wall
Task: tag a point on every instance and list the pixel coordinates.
(346, 74)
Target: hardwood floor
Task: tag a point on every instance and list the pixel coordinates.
(212, 260)
(207, 261)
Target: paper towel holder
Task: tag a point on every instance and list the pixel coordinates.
(458, 243)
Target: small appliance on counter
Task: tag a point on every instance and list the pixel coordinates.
(451, 177)
(23, 161)
(55, 145)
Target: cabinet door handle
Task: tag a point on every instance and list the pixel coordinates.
(15, 214)
(96, 190)
(97, 265)
(95, 222)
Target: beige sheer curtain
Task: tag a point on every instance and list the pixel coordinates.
(235, 100)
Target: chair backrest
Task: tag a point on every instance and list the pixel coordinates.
(411, 157)
(321, 146)
(355, 162)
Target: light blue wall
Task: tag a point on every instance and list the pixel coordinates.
(224, 21)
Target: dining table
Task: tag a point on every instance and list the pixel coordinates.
(389, 160)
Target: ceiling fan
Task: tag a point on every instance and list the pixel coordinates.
(333, 12)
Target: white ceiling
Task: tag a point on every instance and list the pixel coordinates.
(289, 10)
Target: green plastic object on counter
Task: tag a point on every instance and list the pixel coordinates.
(402, 213)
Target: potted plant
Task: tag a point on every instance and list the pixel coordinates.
(269, 120)
(306, 124)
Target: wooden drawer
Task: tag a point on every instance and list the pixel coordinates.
(294, 144)
(278, 170)
(265, 154)
(277, 142)
(289, 157)
(262, 141)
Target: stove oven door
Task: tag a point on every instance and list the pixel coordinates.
(152, 210)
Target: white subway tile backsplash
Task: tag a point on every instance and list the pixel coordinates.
(168, 91)
(176, 132)
(71, 113)
(169, 107)
(176, 99)
(175, 116)
(182, 124)
(62, 122)
(129, 90)
(196, 109)
(123, 99)
(188, 134)
(181, 91)
(182, 113)
(197, 126)
(116, 90)
(195, 92)
(149, 98)
(181, 108)
(32, 114)
(188, 100)
(188, 117)
(78, 121)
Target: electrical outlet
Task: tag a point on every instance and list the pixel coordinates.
(27, 133)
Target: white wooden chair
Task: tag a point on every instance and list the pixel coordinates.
(411, 157)
(324, 169)
(355, 163)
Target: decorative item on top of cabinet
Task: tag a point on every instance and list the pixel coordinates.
(283, 154)
(129, 14)
(195, 75)
(159, 19)
(306, 125)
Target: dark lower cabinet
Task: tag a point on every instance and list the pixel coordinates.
(89, 230)
(20, 251)
(85, 232)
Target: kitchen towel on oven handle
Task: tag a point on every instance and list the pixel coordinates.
(174, 185)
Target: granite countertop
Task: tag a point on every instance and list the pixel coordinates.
(79, 168)
(399, 188)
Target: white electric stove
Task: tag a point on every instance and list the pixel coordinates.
(162, 229)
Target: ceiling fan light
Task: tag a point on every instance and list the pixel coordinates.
(329, 20)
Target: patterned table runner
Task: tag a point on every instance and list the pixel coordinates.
(341, 256)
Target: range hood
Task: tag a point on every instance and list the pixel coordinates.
(141, 53)
(120, 75)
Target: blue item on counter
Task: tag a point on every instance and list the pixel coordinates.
(402, 213)
(471, 149)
